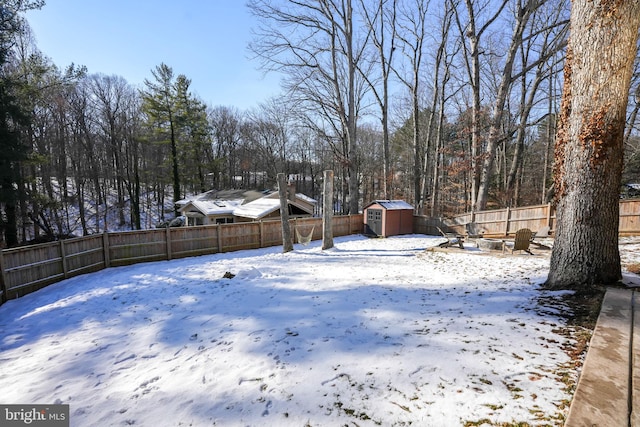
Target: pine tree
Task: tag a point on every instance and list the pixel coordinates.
(12, 116)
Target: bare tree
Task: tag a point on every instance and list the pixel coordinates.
(411, 34)
(287, 242)
(381, 20)
(318, 46)
(524, 10)
(471, 57)
(539, 49)
(441, 76)
(226, 130)
(589, 145)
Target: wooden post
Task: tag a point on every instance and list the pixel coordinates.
(105, 249)
(219, 235)
(327, 210)
(168, 242)
(262, 238)
(3, 283)
(549, 216)
(287, 245)
(506, 222)
(63, 258)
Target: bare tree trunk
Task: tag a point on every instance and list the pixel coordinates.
(549, 134)
(327, 211)
(287, 242)
(589, 144)
(377, 22)
(486, 171)
(411, 34)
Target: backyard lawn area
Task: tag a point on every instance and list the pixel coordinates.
(371, 332)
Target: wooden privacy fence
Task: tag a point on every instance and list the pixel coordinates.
(26, 269)
(504, 222)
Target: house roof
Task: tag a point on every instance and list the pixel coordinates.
(306, 198)
(223, 195)
(212, 207)
(391, 204)
(258, 208)
(247, 204)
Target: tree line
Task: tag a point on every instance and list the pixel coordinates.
(449, 105)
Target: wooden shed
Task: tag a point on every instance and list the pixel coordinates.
(388, 218)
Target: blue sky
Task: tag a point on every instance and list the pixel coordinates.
(206, 40)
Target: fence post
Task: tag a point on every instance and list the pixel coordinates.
(63, 257)
(168, 242)
(105, 249)
(549, 216)
(3, 284)
(261, 234)
(219, 230)
(506, 222)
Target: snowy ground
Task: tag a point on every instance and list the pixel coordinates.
(371, 332)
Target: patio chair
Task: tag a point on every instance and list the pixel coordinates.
(543, 232)
(473, 230)
(522, 241)
(452, 239)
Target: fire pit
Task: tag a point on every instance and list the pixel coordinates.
(490, 244)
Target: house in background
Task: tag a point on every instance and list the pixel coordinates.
(268, 207)
(630, 191)
(214, 207)
(221, 207)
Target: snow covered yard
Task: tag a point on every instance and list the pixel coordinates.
(371, 332)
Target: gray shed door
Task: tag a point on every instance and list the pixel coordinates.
(374, 221)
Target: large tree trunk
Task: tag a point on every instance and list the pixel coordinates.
(327, 210)
(600, 55)
(287, 242)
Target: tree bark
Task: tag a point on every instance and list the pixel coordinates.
(589, 144)
(287, 242)
(327, 211)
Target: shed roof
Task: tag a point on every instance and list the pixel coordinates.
(392, 204)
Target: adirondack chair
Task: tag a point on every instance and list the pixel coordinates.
(543, 232)
(452, 239)
(473, 231)
(522, 241)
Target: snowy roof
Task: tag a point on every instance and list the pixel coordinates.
(240, 203)
(213, 207)
(222, 196)
(392, 204)
(306, 198)
(257, 208)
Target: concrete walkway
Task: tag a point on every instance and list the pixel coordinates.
(608, 391)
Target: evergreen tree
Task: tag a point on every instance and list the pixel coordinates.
(159, 104)
(12, 116)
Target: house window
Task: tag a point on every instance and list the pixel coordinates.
(224, 220)
(195, 220)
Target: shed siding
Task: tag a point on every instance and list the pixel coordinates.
(395, 220)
